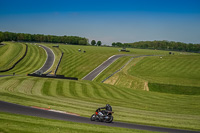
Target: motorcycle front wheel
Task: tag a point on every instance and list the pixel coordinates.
(109, 120)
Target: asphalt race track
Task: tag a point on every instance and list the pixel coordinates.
(101, 67)
(49, 61)
(5, 75)
(24, 110)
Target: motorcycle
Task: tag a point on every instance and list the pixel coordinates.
(101, 116)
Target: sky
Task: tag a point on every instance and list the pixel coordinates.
(109, 21)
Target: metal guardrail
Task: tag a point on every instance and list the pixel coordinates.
(58, 63)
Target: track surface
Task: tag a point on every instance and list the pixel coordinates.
(5, 75)
(49, 61)
(24, 110)
(102, 67)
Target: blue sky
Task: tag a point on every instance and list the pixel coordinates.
(105, 20)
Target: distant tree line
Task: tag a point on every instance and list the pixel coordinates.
(161, 45)
(10, 36)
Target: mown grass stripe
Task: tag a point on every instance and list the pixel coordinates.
(27, 61)
(3, 49)
(46, 88)
(66, 91)
(25, 86)
(85, 90)
(113, 92)
(10, 54)
(59, 88)
(96, 91)
(121, 93)
(10, 85)
(34, 62)
(37, 88)
(72, 89)
(53, 87)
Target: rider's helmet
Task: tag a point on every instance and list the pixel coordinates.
(108, 107)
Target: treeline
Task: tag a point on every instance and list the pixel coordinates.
(161, 45)
(10, 36)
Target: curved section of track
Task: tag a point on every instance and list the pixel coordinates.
(49, 61)
(24, 110)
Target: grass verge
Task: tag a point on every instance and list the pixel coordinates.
(174, 89)
(13, 123)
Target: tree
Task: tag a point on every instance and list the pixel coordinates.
(113, 44)
(1, 37)
(82, 42)
(99, 43)
(93, 42)
(119, 44)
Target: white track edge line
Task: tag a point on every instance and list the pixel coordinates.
(98, 66)
(46, 59)
(105, 68)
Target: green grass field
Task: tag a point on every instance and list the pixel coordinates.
(35, 58)
(172, 86)
(176, 70)
(10, 53)
(179, 73)
(79, 64)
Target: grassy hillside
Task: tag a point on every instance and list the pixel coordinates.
(74, 63)
(10, 53)
(170, 74)
(124, 79)
(35, 58)
(83, 98)
(176, 70)
(79, 64)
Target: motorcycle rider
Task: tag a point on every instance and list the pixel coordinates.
(102, 113)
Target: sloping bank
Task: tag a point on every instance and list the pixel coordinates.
(17, 61)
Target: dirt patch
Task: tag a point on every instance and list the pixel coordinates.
(112, 80)
(146, 87)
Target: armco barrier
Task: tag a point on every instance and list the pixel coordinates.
(58, 63)
(17, 61)
(56, 76)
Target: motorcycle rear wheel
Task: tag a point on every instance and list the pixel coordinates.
(93, 117)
